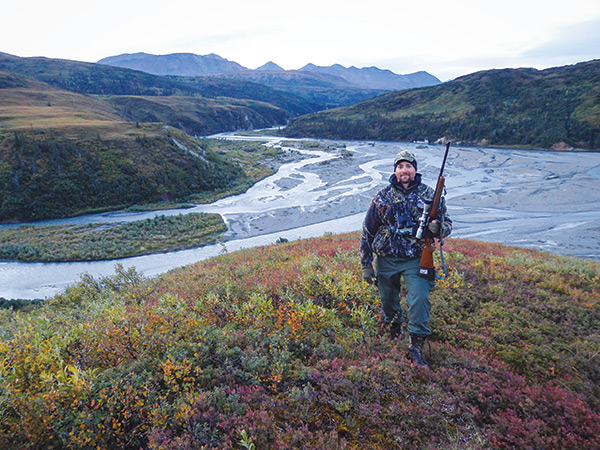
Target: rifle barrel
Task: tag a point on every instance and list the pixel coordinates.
(444, 160)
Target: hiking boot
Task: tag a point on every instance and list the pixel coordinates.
(415, 349)
(396, 331)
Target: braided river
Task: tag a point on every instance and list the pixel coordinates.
(527, 198)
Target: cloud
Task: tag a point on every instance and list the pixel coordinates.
(578, 41)
(447, 39)
(550, 46)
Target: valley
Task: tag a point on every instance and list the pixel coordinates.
(82, 142)
(264, 334)
(540, 200)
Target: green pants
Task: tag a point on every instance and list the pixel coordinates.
(389, 271)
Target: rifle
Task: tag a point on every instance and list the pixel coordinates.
(431, 211)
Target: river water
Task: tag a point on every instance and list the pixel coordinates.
(528, 198)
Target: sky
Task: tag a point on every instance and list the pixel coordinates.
(445, 38)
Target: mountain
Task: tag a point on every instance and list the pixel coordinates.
(179, 64)
(188, 64)
(318, 89)
(328, 86)
(552, 108)
(375, 78)
(281, 347)
(270, 67)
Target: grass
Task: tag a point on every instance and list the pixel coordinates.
(39, 106)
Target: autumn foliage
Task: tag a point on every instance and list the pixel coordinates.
(280, 347)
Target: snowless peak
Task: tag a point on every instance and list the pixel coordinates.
(181, 64)
(373, 77)
(270, 67)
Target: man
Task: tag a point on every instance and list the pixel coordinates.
(388, 232)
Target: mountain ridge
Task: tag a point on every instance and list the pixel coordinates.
(179, 64)
(332, 86)
(375, 77)
(190, 64)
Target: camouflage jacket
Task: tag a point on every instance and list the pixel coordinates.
(392, 220)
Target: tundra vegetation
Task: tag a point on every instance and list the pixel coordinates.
(110, 241)
(281, 347)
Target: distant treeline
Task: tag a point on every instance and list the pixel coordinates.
(19, 303)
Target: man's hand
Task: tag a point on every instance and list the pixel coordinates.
(368, 275)
(434, 227)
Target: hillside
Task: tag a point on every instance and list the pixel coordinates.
(322, 89)
(280, 347)
(25, 103)
(64, 153)
(199, 116)
(552, 108)
(97, 79)
(47, 174)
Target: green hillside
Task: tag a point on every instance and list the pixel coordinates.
(280, 347)
(558, 107)
(199, 115)
(287, 99)
(47, 175)
(63, 153)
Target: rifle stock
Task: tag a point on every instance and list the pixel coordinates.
(427, 269)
